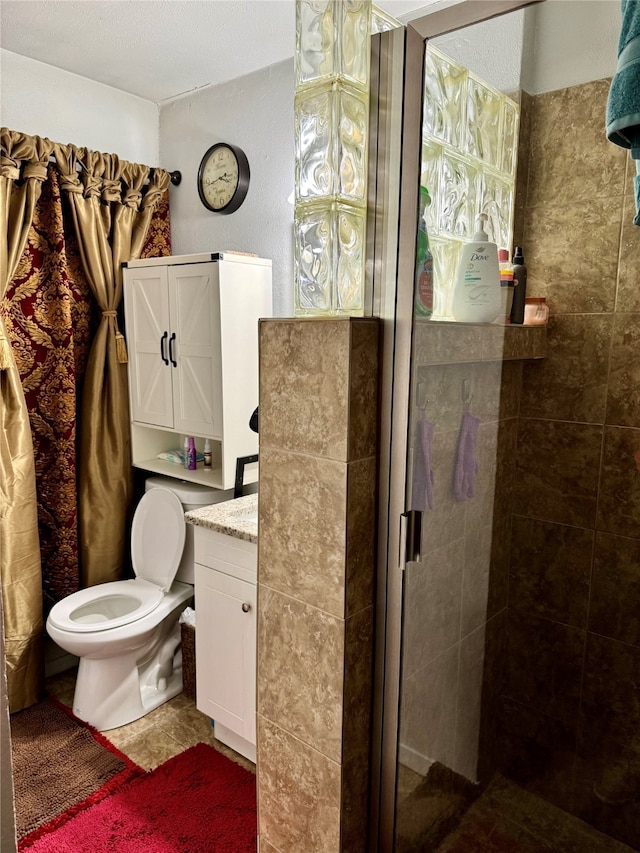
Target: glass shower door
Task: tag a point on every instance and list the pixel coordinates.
(459, 429)
(452, 423)
(510, 707)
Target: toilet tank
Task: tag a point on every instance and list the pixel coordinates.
(191, 496)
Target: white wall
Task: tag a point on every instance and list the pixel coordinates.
(492, 49)
(45, 101)
(570, 42)
(548, 46)
(254, 112)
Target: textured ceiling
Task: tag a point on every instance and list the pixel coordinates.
(155, 49)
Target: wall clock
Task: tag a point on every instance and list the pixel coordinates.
(223, 178)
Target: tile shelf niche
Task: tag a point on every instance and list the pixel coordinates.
(456, 343)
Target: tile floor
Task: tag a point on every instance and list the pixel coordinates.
(505, 819)
(161, 734)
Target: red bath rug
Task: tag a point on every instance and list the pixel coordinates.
(197, 802)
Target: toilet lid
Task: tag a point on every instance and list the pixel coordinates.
(157, 537)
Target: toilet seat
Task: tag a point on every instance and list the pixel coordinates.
(157, 542)
(106, 606)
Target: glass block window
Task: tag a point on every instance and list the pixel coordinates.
(469, 147)
(331, 146)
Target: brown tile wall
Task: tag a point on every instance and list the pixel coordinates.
(571, 715)
(456, 597)
(318, 427)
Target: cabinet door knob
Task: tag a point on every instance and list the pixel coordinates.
(246, 607)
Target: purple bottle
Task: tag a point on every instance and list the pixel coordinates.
(192, 455)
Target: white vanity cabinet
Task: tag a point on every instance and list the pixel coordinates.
(192, 336)
(226, 608)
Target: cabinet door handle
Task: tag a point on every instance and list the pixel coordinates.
(163, 341)
(171, 358)
(246, 607)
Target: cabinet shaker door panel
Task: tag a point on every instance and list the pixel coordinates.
(195, 315)
(146, 298)
(226, 650)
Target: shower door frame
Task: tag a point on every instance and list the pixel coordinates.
(398, 91)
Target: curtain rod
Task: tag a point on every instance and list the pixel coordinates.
(176, 176)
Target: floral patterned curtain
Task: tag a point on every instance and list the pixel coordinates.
(51, 319)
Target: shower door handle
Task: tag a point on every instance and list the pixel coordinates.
(163, 341)
(171, 358)
(410, 538)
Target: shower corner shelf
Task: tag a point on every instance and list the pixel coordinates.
(450, 343)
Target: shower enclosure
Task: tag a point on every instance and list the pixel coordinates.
(508, 645)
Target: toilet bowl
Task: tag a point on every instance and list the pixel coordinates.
(126, 633)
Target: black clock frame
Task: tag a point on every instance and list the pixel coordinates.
(244, 175)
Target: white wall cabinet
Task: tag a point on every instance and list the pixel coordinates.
(226, 608)
(192, 334)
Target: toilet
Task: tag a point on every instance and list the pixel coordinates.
(126, 633)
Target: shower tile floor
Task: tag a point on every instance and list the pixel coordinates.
(161, 734)
(505, 819)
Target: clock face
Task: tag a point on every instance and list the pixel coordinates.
(223, 178)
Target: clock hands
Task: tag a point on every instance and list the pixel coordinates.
(225, 177)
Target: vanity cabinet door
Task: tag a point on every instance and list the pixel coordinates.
(226, 650)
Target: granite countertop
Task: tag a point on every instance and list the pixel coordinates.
(237, 518)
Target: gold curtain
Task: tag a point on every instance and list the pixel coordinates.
(23, 168)
(111, 215)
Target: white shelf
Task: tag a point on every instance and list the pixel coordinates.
(211, 478)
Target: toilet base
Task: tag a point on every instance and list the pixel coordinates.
(131, 708)
(113, 692)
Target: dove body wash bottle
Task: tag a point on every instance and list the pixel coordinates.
(476, 295)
